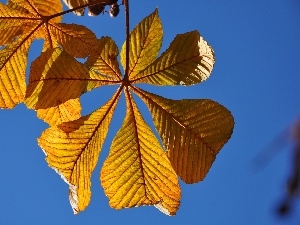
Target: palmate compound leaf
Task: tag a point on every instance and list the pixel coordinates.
(56, 82)
(193, 132)
(73, 148)
(137, 170)
(24, 21)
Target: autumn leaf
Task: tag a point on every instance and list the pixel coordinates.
(56, 82)
(193, 65)
(12, 72)
(193, 132)
(73, 148)
(139, 170)
(104, 62)
(69, 110)
(145, 43)
(22, 21)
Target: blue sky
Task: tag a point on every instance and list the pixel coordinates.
(257, 47)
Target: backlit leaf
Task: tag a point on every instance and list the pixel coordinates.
(48, 8)
(73, 148)
(193, 132)
(9, 34)
(55, 78)
(67, 111)
(188, 60)
(38, 7)
(26, 6)
(10, 25)
(21, 21)
(13, 61)
(137, 170)
(104, 59)
(145, 43)
(71, 35)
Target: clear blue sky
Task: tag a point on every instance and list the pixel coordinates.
(256, 76)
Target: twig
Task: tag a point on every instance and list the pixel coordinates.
(126, 4)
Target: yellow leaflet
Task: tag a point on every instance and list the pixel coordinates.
(67, 111)
(73, 148)
(56, 77)
(10, 24)
(188, 60)
(38, 7)
(193, 132)
(104, 59)
(13, 61)
(137, 170)
(26, 6)
(145, 43)
(48, 8)
(20, 23)
(75, 39)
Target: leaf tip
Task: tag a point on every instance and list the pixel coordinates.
(73, 198)
(164, 210)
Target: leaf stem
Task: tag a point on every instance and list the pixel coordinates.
(126, 4)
